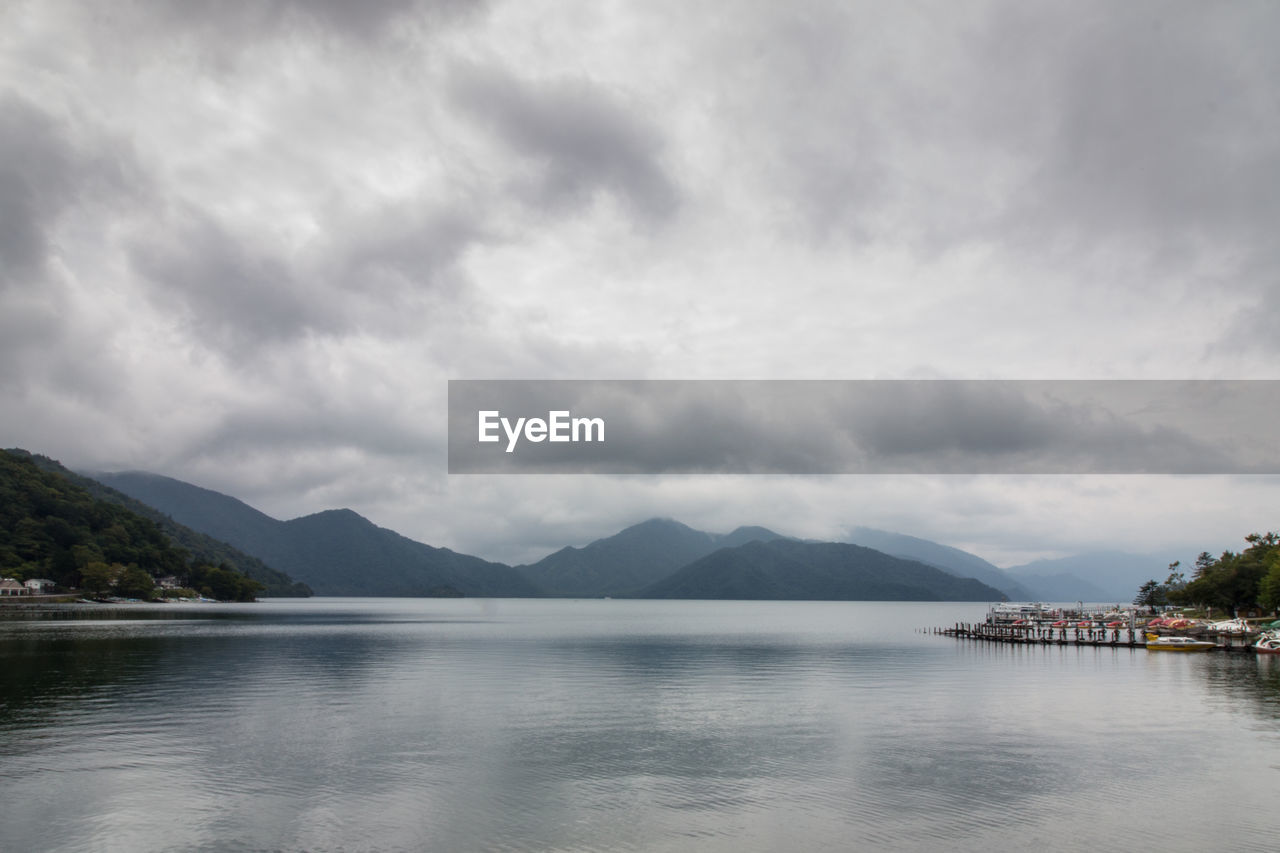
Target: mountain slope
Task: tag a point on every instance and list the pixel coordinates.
(785, 569)
(52, 526)
(202, 547)
(337, 552)
(951, 560)
(632, 558)
(212, 513)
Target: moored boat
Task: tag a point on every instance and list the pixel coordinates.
(1268, 644)
(1178, 644)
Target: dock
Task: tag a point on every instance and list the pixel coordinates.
(1046, 635)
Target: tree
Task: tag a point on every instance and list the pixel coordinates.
(1269, 586)
(135, 583)
(1233, 580)
(99, 577)
(1204, 562)
(1151, 595)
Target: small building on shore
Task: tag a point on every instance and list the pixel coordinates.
(9, 587)
(39, 585)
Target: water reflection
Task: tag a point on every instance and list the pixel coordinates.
(607, 725)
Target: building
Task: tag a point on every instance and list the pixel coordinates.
(9, 586)
(39, 585)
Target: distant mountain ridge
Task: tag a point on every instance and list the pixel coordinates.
(951, 560)
(786, 569)
(336, 552)
(633, 558)
(1097, 575)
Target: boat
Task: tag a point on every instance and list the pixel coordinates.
(1178, 644)
(1268, 644)
(1008, 612)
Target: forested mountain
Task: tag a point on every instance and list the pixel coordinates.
(202, 547)
(336, 552)
(632, 558)
(785, 569)
(51, 527)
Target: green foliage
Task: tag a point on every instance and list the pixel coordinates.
(1269, 586)
(98, 578)
(134, 582)
(199, 548)
(53, 527)
(1235, 580)
(223, 583)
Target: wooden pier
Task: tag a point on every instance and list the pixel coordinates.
(1046, 635)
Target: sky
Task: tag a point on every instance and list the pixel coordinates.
(246, 244)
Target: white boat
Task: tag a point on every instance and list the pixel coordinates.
(1007, 612)
(1229, 626)
(1178, 644)
(1268, 643)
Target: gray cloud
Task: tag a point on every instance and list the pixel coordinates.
(245, 243)
(232, 23)
(37, 180)
(55, 176)
(401, 248)
(580, 140)
(1161, 119)
(1058, 131)
(44, 173)
(238, 291)
(234, 294)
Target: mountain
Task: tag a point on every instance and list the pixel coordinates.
(212, 513)
(1098, 575)
(52, 527)
(950, 560)
(200, 546)
(336, 552)
(633, 558)
(785, 569)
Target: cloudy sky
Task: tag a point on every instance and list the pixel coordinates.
(246, 244)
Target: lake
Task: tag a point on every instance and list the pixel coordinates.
(558, 725)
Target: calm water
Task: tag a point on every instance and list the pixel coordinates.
(456, 725)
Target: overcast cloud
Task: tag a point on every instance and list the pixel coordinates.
(247, 243)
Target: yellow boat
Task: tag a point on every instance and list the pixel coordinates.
(1178, 644)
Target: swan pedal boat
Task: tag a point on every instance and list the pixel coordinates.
(1268, 644)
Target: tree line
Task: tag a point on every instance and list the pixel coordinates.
(1228, 582)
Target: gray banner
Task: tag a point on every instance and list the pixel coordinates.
(864, 427)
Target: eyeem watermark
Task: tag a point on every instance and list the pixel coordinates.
(864, 427)
(558, 426)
